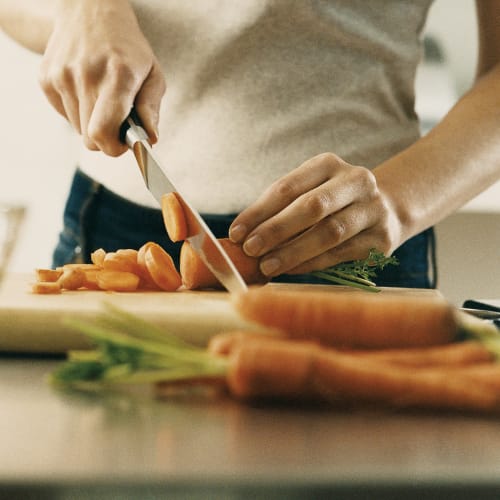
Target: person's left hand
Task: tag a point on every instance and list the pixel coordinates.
(322, 213)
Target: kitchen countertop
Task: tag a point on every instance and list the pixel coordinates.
(77, 446)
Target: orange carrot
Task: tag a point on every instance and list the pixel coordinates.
(46, 287)
(195, 274)
(90, 280)
(161, 268)
(354, 319)
(121, 260)
(174, 217)
(287, 369)
(457, 354)
(97, 256)
(47, 274)
(117, 281)
(72, 278)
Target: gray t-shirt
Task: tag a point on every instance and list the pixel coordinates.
(256, 87)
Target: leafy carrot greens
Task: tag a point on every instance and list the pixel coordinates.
(358, 273)
(130, 350)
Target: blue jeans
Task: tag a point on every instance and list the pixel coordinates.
(95, 217)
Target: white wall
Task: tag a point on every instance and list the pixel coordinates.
(38, 157)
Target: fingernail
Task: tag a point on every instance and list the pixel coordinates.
(253, 245)
(155, 137)
(237, 233)
(270, 266)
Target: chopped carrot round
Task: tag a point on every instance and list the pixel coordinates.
(46, 287)
(174, 217)
(161, 268)
(72, 278)
(117, 281)
(47, 274)
(97, 256)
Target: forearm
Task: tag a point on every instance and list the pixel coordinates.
(453, 163)
(28, 22)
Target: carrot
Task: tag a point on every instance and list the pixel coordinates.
(287, 369)
(90, 280)
(195, 274)
(76, 265)
(71, 278)
(161, 268)
(174, 217)
(97, 256)
(117, 281)
(47, 274)
(354, 319)
(122, 260)
(456, 354)
(46, 287)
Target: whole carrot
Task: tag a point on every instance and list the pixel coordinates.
(286, 369)
(195, 274)
(456, 354)
(354, 319)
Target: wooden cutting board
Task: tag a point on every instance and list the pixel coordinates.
(33, 323)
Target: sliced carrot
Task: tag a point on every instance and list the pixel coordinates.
(97, 256)
(161, 268)
(47, 274)
(287, 369)
(354, 319)
(117, 281)
(72, 278)
(195, 274)
(46, 287)
(90, 281)
(147, 281)
(174, 217)
(122, 260)
(82, 265)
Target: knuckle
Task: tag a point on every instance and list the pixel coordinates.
(285, 189)
(119, 70)
(335, 230)
(366, 179)
(330, 160)
(317, 205)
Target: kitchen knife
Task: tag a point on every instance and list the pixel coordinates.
(200, 237)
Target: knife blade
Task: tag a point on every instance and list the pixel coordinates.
(201, 237)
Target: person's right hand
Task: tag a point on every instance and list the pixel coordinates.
(96, 66)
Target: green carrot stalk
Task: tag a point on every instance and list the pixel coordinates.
(358, 273)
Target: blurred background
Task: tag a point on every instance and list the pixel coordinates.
(38, 156)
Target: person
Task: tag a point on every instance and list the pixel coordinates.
(289, 125)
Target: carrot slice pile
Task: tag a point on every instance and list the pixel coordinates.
(124, 270)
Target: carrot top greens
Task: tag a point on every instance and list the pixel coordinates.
(129, 350)
(358, 273)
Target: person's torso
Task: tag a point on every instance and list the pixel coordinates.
(254, 88)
